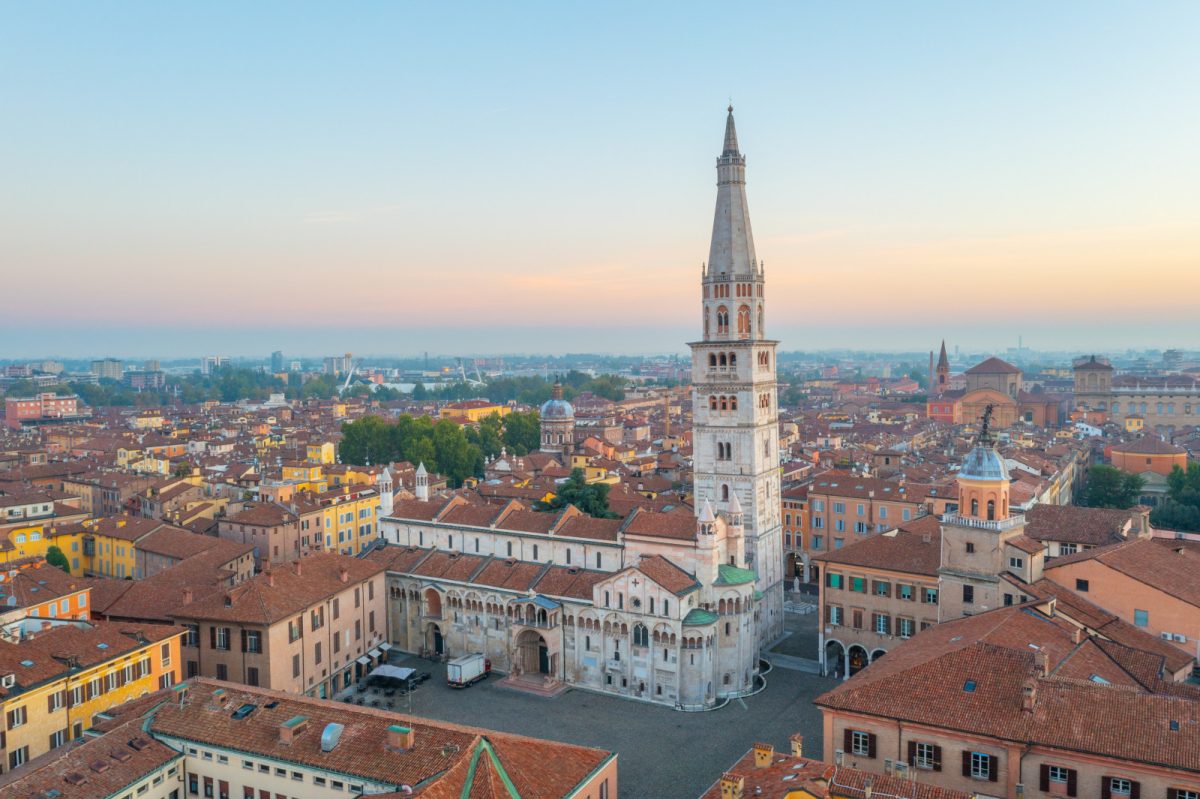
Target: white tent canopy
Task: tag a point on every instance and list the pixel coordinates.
(391, 672)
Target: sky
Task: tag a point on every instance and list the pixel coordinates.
(389, 178)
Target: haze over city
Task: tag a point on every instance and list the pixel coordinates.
(186, 179)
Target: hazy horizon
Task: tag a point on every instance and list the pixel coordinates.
(389, 178)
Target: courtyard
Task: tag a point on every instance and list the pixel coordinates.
(663, 753)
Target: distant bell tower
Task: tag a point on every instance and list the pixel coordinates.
(943, 371)
(736, 437)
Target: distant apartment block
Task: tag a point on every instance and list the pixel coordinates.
(45, 408)
(108, 368)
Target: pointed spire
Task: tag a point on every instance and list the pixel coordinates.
(706, 513)
(421, 468)
(942, 359)
(731, 142)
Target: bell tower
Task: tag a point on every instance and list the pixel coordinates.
(736, 438)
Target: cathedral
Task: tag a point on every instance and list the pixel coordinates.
(668, 607)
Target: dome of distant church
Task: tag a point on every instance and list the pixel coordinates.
(983, 463)
(556, 407)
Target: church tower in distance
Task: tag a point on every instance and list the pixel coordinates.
(736, 432)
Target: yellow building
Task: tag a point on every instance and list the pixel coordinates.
(347, 518)
(305, 476)
(53, 682)
(148, 420)
(473, 411)
(321, 452)
(1134, 423)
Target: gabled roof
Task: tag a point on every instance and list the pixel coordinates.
(993, 366)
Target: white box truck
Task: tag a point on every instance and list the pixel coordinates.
(467, 670)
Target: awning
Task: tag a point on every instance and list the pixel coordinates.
(392, 672)
(374, 653)
(385, 646)
(364, 660)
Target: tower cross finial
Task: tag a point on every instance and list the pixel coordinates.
(985, 434)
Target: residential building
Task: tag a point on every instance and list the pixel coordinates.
(44, 408)
(763, 773)
(211, 739)
(878, 593)
(311, 627)
(1019, 702)
(1162, 404)
(1148, 582)
(272, 529)
(108, 368)
(53, 682)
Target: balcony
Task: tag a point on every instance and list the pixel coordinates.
(997, 526)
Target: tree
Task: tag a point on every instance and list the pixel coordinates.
(1181, 510)
(522, 432)
(420, 393)
(592, 498)
(55, 557)
(1109, 487)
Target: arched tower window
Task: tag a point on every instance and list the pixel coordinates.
(723, 320)
(743, 318)
(975, 508)
(722, 359)
(991, 507)
(760, 322)
(712, 403)
(733, 359)
(724, 493)
(641, 636)
(712, 358)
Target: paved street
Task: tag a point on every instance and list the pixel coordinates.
(664, 754)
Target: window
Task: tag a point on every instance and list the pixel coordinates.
(883, 624)
(222, 671)
(970, 548)
(1081, 585)
(16, 717)
(59, 738)
(968, 594)
(926, 756)
(904, 592)
(904, 627)
(882, 588)
(1058, 780)
(18, 757)
(1141, 618)
(980, 766)
(219, 637)
(1016, 563)
(1172, 793)
(859, 743)
(858, 585)
(1067, 549)
(833, 580)
(1119, 786)
(251, 641)
(839, 507)
(295, 665)
(834, 614)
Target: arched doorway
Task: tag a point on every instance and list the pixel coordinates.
(434, 641)
(877, 654)
(533, 654)
(835, 659)
(858, 659)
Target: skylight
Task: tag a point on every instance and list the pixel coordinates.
(1096, 678)
(969, 686)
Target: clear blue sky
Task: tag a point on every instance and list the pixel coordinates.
(390, 178)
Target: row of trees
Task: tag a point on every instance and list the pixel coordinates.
(1181, 510)
(443, 446)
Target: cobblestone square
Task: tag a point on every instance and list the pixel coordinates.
(663, 753)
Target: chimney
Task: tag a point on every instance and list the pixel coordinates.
(797, 741)
(732, 786)
(270, 575)
(1029, 695)
(1042, 660)
(1077, 635)
(296, 567)
(868, 785)
(399, 738)
(187, 596)
(763, 754)
(343, 574)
